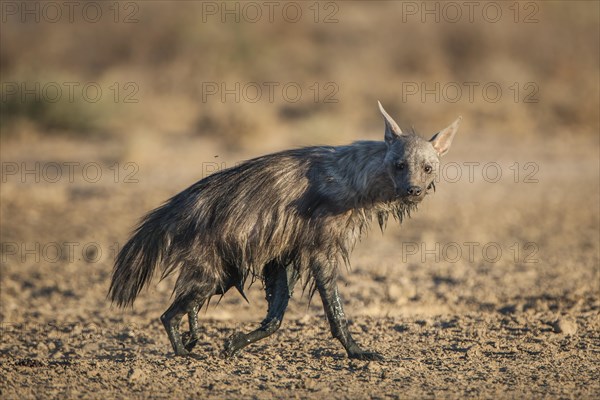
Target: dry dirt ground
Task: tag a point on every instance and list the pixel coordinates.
(491, 290)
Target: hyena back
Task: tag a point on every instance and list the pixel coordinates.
(283, 217)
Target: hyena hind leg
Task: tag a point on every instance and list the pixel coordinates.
(279, 284)
(171, 319)
(188, 302)
(190, 339)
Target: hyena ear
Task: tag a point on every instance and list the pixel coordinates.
(392, 130)
(442, 140)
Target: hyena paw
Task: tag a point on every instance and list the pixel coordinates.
(233, 345)
(182, 352)
(189, 341)
(365, 356)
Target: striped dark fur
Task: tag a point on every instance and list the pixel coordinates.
(298, 210)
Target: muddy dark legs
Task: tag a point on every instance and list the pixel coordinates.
(191, 338)
(279, 284)
(332, 303)
(171, 319)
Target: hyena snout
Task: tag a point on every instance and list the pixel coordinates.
(414, 191)
(413, 194)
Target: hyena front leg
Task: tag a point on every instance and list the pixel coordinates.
(332, 303)
(279, 284)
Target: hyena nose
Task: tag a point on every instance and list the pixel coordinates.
(414, 191)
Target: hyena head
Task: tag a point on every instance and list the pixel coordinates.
(413, 162)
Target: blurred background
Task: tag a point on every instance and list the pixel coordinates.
(247, 74)
(109, 108)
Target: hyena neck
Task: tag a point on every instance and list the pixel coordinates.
(367, 182)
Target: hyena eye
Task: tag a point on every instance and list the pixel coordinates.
(400, 165)
(428, 169)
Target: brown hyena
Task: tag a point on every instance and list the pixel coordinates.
(283, 217)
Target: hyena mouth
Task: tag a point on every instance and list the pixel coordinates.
(431, 186)
(413, 200)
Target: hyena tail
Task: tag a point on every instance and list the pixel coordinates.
(139, 258)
